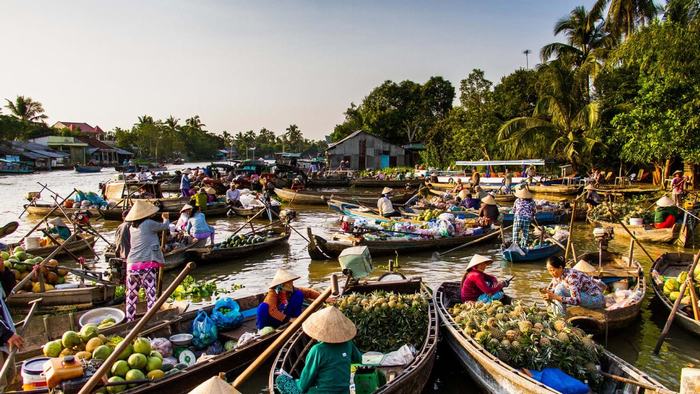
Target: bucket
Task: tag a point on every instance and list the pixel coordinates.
(366, 380)
(32, 242)
(33, 374)
(636, 221)
(68, 203)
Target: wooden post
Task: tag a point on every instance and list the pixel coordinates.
(631, 253)
(571, 230)
(676, 304)
(92, 382)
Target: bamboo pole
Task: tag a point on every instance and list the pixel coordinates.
(631, 253)
(571, 230)
(291, 329)
(616, 218)
(472, 242)
(42, 220)
(248, 221)
(92, 382)
(643, 385)
(676, 304)
(47, 258)
(10, 358)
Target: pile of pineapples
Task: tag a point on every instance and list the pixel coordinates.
(529, 336)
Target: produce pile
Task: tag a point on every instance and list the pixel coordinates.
(386, 320)
(672, 286)
(21, 262)
(241, 240)
(429, 214)
(630, 208)
(529, 337)
(191, 289)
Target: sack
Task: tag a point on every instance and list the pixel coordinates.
(560, 381)
(226, 314)
(403, 356)
(204, 331)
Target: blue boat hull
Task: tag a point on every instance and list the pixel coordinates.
(88, 169)
(532, 254)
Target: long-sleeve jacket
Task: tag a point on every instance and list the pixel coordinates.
(145, 243)
(478, 283)
(273, 301)
(327, 368)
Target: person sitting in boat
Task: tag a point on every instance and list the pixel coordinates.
(198, 228)
(200, 199)
(144, 193)
(477, 285)
(283, 301)
(592, 197)
(573, 286)
(211, 194)
(143, 176)
(507, 181)
(479, 192)
(185, 215)
(145, 256)
(459, 186)
(327, 366)
(665, 213)
(233, 195)
(384, 205)
(678, 187)
(58, 228)
(297, 184)
(489, 209)
(531, 172)
(476, 178)
(468, 201)
(185, 184)
(524, 210)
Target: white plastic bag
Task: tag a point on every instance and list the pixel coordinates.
(403, 356)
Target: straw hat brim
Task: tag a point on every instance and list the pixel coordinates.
(210, 190)
(665, 202)
(585, 267)
(282, 276)
(141, 210)
(677, 172)
(387, 190)
(186, 207)
(214, 385)
(478, 259)
(329, 325)
(58, 222)
(523, 193)
(489, 200)
(462, 194)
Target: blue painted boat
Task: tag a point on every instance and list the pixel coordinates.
(542, 217)
(87, 169)
(539, 252)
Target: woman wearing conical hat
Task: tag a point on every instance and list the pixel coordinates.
(524, 211)
(384, 205)
(489, 209)
(58, 227)
(327, 364)
(145, 256)
(477, 285)
(574, 286)
(283, 301)
(666, 213)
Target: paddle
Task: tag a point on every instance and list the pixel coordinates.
(248, 221)
(10, 358)
(85, 273)
(107, 365)
(676, 304)
(43, 219)
(618, 220)
(33, 201)
(436, 256)
(8, 229)
(643, 385)
(291, 329)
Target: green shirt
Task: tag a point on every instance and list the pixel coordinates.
(327, 368)
(661, 213)
(201, 201)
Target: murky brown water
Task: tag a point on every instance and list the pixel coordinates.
(634, 343)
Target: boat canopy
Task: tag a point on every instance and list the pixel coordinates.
(527, 162)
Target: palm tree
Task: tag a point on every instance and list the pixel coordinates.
(625, 16)
(584, 32)
(26, 109)
(563, 121)
(195, 122)
(527, 58)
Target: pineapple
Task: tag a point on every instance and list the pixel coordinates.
(563, 337)
(559, 325)
(524, 326)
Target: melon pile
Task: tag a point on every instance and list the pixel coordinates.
(672, 286)
(21, 262)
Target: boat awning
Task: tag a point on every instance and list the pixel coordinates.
(527, 162)
(123, 152)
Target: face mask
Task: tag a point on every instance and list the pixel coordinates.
(278, 288)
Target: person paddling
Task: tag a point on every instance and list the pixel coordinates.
(283, 301)
(384, 205)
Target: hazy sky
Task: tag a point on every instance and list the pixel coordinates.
(247, 65)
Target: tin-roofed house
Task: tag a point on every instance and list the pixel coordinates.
(365, 151)
(76, 149)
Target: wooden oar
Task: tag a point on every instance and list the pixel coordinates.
(291, 329)
(571, 231)
(643, 385)
(33, 201)
(94, 379)
(42, 220)
(437, 255)
(10, 358)
(617, 219)
(85, 274)
(676, 304)
(248, 221)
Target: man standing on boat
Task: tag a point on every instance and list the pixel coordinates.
(384, 205)
(524, 211)
(507, 181)
(185, 183)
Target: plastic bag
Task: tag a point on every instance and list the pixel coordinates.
(560, 381)
(163, 346)
(403, 356)
(226, 314)
(204, 330)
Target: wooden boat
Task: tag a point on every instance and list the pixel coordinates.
(119, 192)
(81, 243)
(670, 265)
(680, 233)
(8, 167)
(217, 253)
(311, 197)
(500, 197)
(114, 212)
(328, 182)
(50, 327)
(251, 211)
(614, 267)
(42, 210)
(173, 258)
(87, 169)
(81, 297)
(411, 379)
(322, 249)
(495, 376)
(555, 189)
(229, 361)
(622, 190)
(539, 252)
(393, 183)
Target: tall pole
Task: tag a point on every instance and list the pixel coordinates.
(527, 58)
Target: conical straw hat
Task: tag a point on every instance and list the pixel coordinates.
(58, 222)
(585, 267)
(523, 193)
(665, 202)
(489, 200)
(462, 194)
(282, 276)
(214, 385)
(140, 210)
(210, 190)
(478, 259)
(186, 207)
(329, 325)
(387, 190)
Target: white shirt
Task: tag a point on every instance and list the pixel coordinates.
(385, 206)
(143, 176)
(233, 195)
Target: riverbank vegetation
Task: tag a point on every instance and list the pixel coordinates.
(622, 85)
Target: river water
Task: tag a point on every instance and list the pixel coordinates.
(634, 343)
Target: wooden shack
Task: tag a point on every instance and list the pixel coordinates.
(365, 151)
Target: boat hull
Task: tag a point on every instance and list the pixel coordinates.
(209, 255)
(319, 198)
(675, 262)
(86, 242)
(87, 169)
(534, 254)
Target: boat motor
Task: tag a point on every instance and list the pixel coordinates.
(603, 235)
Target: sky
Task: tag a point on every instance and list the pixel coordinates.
(243, 65)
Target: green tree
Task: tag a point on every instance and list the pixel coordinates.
(26, 109)
(626, 16)
(516, 94)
